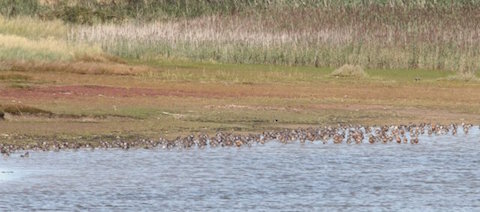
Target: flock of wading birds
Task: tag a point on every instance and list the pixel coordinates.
(340, 134)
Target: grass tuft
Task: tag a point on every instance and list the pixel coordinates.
(348, 70)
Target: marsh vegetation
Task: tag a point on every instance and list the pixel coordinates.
(351, 102)
(173, 67)
(374, 34)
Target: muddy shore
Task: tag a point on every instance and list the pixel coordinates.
(349, 134)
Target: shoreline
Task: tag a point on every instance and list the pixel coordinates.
(199, 98)
(349, 134)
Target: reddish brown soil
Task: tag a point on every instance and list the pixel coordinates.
(66, 92)
(89, 91)
(399, 93)
(78, 91)
(370, 103)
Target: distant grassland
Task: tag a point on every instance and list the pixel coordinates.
(376, 34)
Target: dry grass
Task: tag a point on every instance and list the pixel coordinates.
(33, 28)
(25, 38)
(348, 70)
(377, 37)
(383, 37)
(16, 47)
(34, 45)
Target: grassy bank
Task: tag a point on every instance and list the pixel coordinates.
(255, 67)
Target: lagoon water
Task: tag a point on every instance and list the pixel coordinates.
(438, 174)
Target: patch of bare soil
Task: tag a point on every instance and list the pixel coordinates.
(332, 106)
(320, 91)
(74, 91)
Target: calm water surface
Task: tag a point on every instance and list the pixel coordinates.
(439, 174)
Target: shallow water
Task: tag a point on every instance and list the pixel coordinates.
(440, 174)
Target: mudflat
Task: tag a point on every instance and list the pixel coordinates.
(177, 99)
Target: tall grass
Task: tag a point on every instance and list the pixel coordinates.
(392, 34)
(33, 28)
(445, 38)
(25, 38)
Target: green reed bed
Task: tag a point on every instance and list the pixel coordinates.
(374, 37)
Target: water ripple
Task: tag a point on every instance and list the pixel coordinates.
(438, 174)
